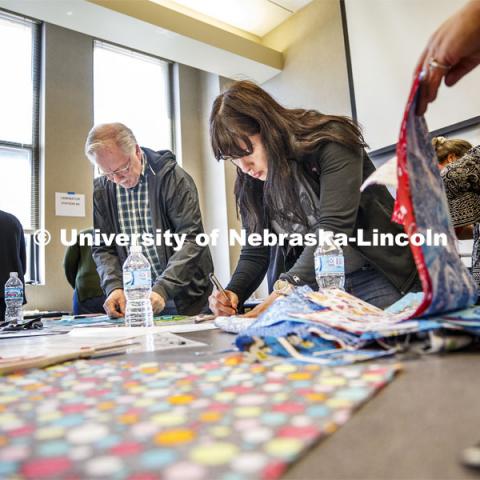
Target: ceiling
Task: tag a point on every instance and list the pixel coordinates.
(220, 36)
(256, 17)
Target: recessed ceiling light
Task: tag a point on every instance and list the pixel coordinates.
(69, 13)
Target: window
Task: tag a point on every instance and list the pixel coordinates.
(19, 100)
(134, 89)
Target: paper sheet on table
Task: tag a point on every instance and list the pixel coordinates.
(28, 333)
(126, 332)
(61, 344)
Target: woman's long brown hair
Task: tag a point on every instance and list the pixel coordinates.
(288, 135)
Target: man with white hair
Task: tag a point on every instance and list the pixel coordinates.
(143, 191)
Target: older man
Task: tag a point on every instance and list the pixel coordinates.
(143, 191)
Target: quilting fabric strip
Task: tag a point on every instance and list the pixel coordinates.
(421, 205)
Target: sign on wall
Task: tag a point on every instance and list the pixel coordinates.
(69, 204)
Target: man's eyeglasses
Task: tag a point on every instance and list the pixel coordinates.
(119, 172)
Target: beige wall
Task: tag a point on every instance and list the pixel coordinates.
(188, 138)
(194, 92)
(315, 71)
(214, 180)
(68, 92)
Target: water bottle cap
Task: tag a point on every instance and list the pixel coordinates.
(14, 274)
(136, 249)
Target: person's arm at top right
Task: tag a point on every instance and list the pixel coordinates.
(456, 45)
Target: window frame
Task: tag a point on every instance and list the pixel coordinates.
(33, 252)
(170, 80)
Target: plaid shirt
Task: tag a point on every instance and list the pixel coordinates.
(134, 215)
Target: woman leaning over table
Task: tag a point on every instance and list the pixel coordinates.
(300, 171)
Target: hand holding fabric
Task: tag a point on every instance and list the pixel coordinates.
(452, 51)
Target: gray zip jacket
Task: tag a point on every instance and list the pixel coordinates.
(174, 206)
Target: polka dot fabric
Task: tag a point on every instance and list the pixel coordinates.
(226, 419)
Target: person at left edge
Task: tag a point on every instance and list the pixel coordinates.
(12, 254)
(143, 191)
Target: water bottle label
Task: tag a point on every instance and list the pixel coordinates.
(329, 264)
(12, 293)
(137, 279)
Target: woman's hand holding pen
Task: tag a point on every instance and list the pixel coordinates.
(223, 303)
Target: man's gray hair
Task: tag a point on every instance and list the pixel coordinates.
(106, 134)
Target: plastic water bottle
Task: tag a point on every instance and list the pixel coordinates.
(137, 285)
(329, 263)
(14, 299)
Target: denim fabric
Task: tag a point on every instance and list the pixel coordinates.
(371, 286)
(89, 305)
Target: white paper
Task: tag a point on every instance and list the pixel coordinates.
(60, 344)
(69, 204)
(116, 333)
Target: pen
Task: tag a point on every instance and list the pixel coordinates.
(218, 286)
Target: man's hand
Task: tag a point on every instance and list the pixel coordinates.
(220, 306)
(158, 303)
(260, 308)
(115, 304)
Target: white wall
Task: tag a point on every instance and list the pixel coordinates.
(386, 40)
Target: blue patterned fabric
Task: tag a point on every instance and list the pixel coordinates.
(453, 287)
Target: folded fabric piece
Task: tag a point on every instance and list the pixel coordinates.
(408, 302)
(287, 319)
(233, 324)
(331, 327)
(322, 327)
